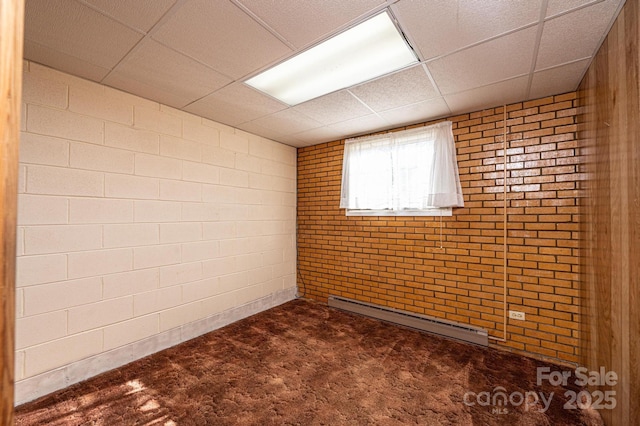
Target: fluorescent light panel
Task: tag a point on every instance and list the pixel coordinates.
(366, 51)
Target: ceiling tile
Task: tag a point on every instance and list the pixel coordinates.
(315, 136)
(557, 80)
(493, 95)
(303, 22)
(235, 104)
(285, 122)
(489, 62)
(417, 112)
(78, 31)
(360, 125)
(219, 34)
(157, 66)
(555, 7)
(292, 140)
(147, 91)
(333, 108)
(140, 15)
(63, 62)
(438, 27)
(404, 87)
(264, 131)
(575, 35)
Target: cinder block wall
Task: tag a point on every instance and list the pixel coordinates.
(136, 219)
(398, 262)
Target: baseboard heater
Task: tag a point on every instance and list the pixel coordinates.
(425, 323)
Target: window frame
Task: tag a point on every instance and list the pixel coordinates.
(440, 136)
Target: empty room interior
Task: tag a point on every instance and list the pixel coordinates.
(320, 212)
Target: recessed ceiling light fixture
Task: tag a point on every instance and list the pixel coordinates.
(370, 49)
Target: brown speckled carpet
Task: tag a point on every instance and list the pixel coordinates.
(303, 363)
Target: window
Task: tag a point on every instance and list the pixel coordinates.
(412, 172)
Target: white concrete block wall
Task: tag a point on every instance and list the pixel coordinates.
(135, 218)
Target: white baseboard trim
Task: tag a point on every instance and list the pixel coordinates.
(34, 387)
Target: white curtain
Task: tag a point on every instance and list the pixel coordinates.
(412, 169)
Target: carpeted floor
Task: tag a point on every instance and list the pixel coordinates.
(303, 363)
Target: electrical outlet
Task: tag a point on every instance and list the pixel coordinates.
(516, 315)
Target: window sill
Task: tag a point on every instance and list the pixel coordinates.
(426, 212)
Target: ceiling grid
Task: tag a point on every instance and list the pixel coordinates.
(195, 55)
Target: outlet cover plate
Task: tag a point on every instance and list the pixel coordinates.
(517, 315)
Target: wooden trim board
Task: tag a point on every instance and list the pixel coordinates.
(11, 40)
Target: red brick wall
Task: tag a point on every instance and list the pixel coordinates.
(399, 262)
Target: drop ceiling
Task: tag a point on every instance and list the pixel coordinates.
(194, 55)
